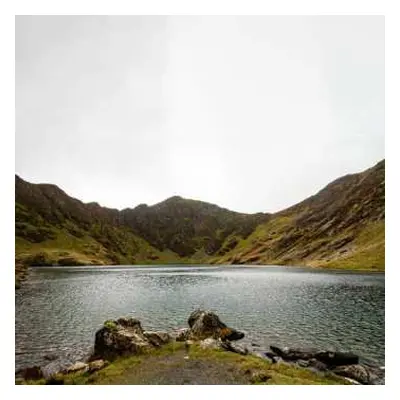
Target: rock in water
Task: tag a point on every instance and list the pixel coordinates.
(336, 358)
(50, 357)
(204, 324)
(330, 358)
(293, 354)
(121, 337)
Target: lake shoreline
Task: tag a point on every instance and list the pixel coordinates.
(59, 308)
(184, 356)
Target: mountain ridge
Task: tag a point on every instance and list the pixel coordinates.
(340, 226)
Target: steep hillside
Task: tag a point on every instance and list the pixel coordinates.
(342, 226)
(52, 228)
(188, 226)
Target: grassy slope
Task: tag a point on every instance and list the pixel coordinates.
(87, 250)
(342, 226)
(365, 252)
(168, 366)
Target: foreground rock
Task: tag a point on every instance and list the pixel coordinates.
(205, 324)
(181, 335)
(340, 363)
(213, 344)
(361, 373)
(97, 365)
(330, 358)
(78, 367)
(125, 336)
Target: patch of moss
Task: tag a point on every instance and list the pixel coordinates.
(110, 325)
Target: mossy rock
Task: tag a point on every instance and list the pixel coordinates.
(110, 324)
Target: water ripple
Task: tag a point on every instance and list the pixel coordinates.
(59, 309)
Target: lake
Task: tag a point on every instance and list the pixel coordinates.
(59, 309)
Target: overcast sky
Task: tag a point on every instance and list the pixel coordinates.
(251, 113)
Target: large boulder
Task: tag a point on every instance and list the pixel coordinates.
(121, 337)
(205, 324)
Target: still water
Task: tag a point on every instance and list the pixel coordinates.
(58, 310)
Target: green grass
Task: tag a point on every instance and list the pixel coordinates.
(366, 252)
(136, 369)
(86, 250)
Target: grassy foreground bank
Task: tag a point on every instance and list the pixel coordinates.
(174, 365)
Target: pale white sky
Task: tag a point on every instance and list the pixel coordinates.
(251, 113)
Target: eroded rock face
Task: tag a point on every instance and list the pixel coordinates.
(121, 337)
(205, 324)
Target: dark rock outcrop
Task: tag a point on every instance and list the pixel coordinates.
(205, 324)
(330, 358)
(340, 363)
(336, 358)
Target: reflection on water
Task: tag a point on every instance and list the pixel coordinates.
(59, 309)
